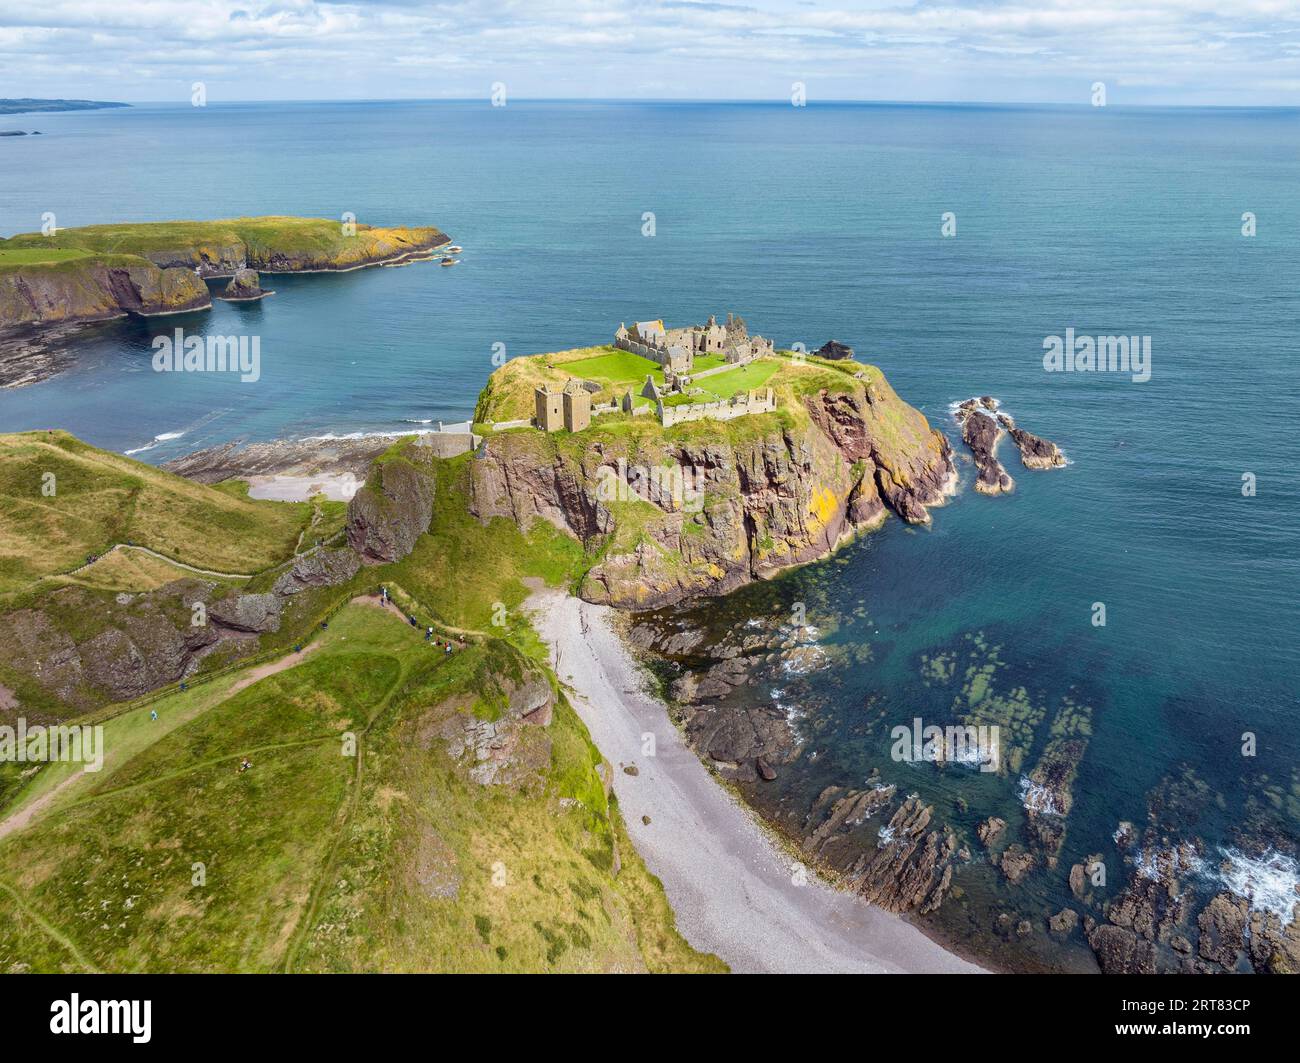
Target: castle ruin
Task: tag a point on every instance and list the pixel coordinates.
(675, 349)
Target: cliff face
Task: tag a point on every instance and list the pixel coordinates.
(392, 510)
(670, 516)
(96, 288)
(271, 254)
(104, 271)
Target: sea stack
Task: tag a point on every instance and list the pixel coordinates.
(1035, 452)
(244, 286)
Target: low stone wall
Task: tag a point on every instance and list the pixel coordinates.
(715, 411)
(449, 444)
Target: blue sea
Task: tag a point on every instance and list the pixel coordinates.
(815, 223)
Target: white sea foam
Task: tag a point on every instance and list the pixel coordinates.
(793, 714)
(165, 437)
(1269, 882)
(332, 437)
(1037, 798)
(886, 835)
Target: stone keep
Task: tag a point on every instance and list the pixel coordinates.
(569, 409)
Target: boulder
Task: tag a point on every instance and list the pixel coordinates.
(244, 285)
(323, 568)
(252, 613)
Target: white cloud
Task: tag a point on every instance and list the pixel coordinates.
(1161, 51)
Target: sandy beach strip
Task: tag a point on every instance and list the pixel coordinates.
(734, 891)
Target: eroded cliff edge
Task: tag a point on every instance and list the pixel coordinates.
(701, 509)
(104, 271)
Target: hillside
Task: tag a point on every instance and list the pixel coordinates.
(65, 500)
(405, 807)
(103, 271)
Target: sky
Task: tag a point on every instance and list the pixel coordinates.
(1190, 52)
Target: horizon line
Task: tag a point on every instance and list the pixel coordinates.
(687, 101)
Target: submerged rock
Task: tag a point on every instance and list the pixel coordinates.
(989, 830)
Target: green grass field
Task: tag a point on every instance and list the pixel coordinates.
(32, 256)
(745, 378)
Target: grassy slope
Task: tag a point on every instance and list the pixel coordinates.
(347, 844)
(102, 877)
(102, 499)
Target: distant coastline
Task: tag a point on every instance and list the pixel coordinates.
(32, 106)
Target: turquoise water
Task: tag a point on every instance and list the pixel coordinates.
(816, 223)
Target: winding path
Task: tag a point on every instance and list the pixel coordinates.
(161, 557)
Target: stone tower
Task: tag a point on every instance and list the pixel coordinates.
(577, 406)
(549, 416)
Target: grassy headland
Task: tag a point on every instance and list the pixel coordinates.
(101, 271)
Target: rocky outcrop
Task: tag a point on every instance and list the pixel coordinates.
(253, 614)
(981, 433)
(1035, 452)
(322, 568)
(983, 423)
(834, 351)
(244, 286)
(894, 859)
(500, 735)
(85, 648)
(393, 508)
(744, 742)
(760, 501)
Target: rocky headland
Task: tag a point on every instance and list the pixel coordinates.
(105, 271)
(769, 491)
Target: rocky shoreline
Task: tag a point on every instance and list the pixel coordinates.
(29, 355)
(744, 698)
